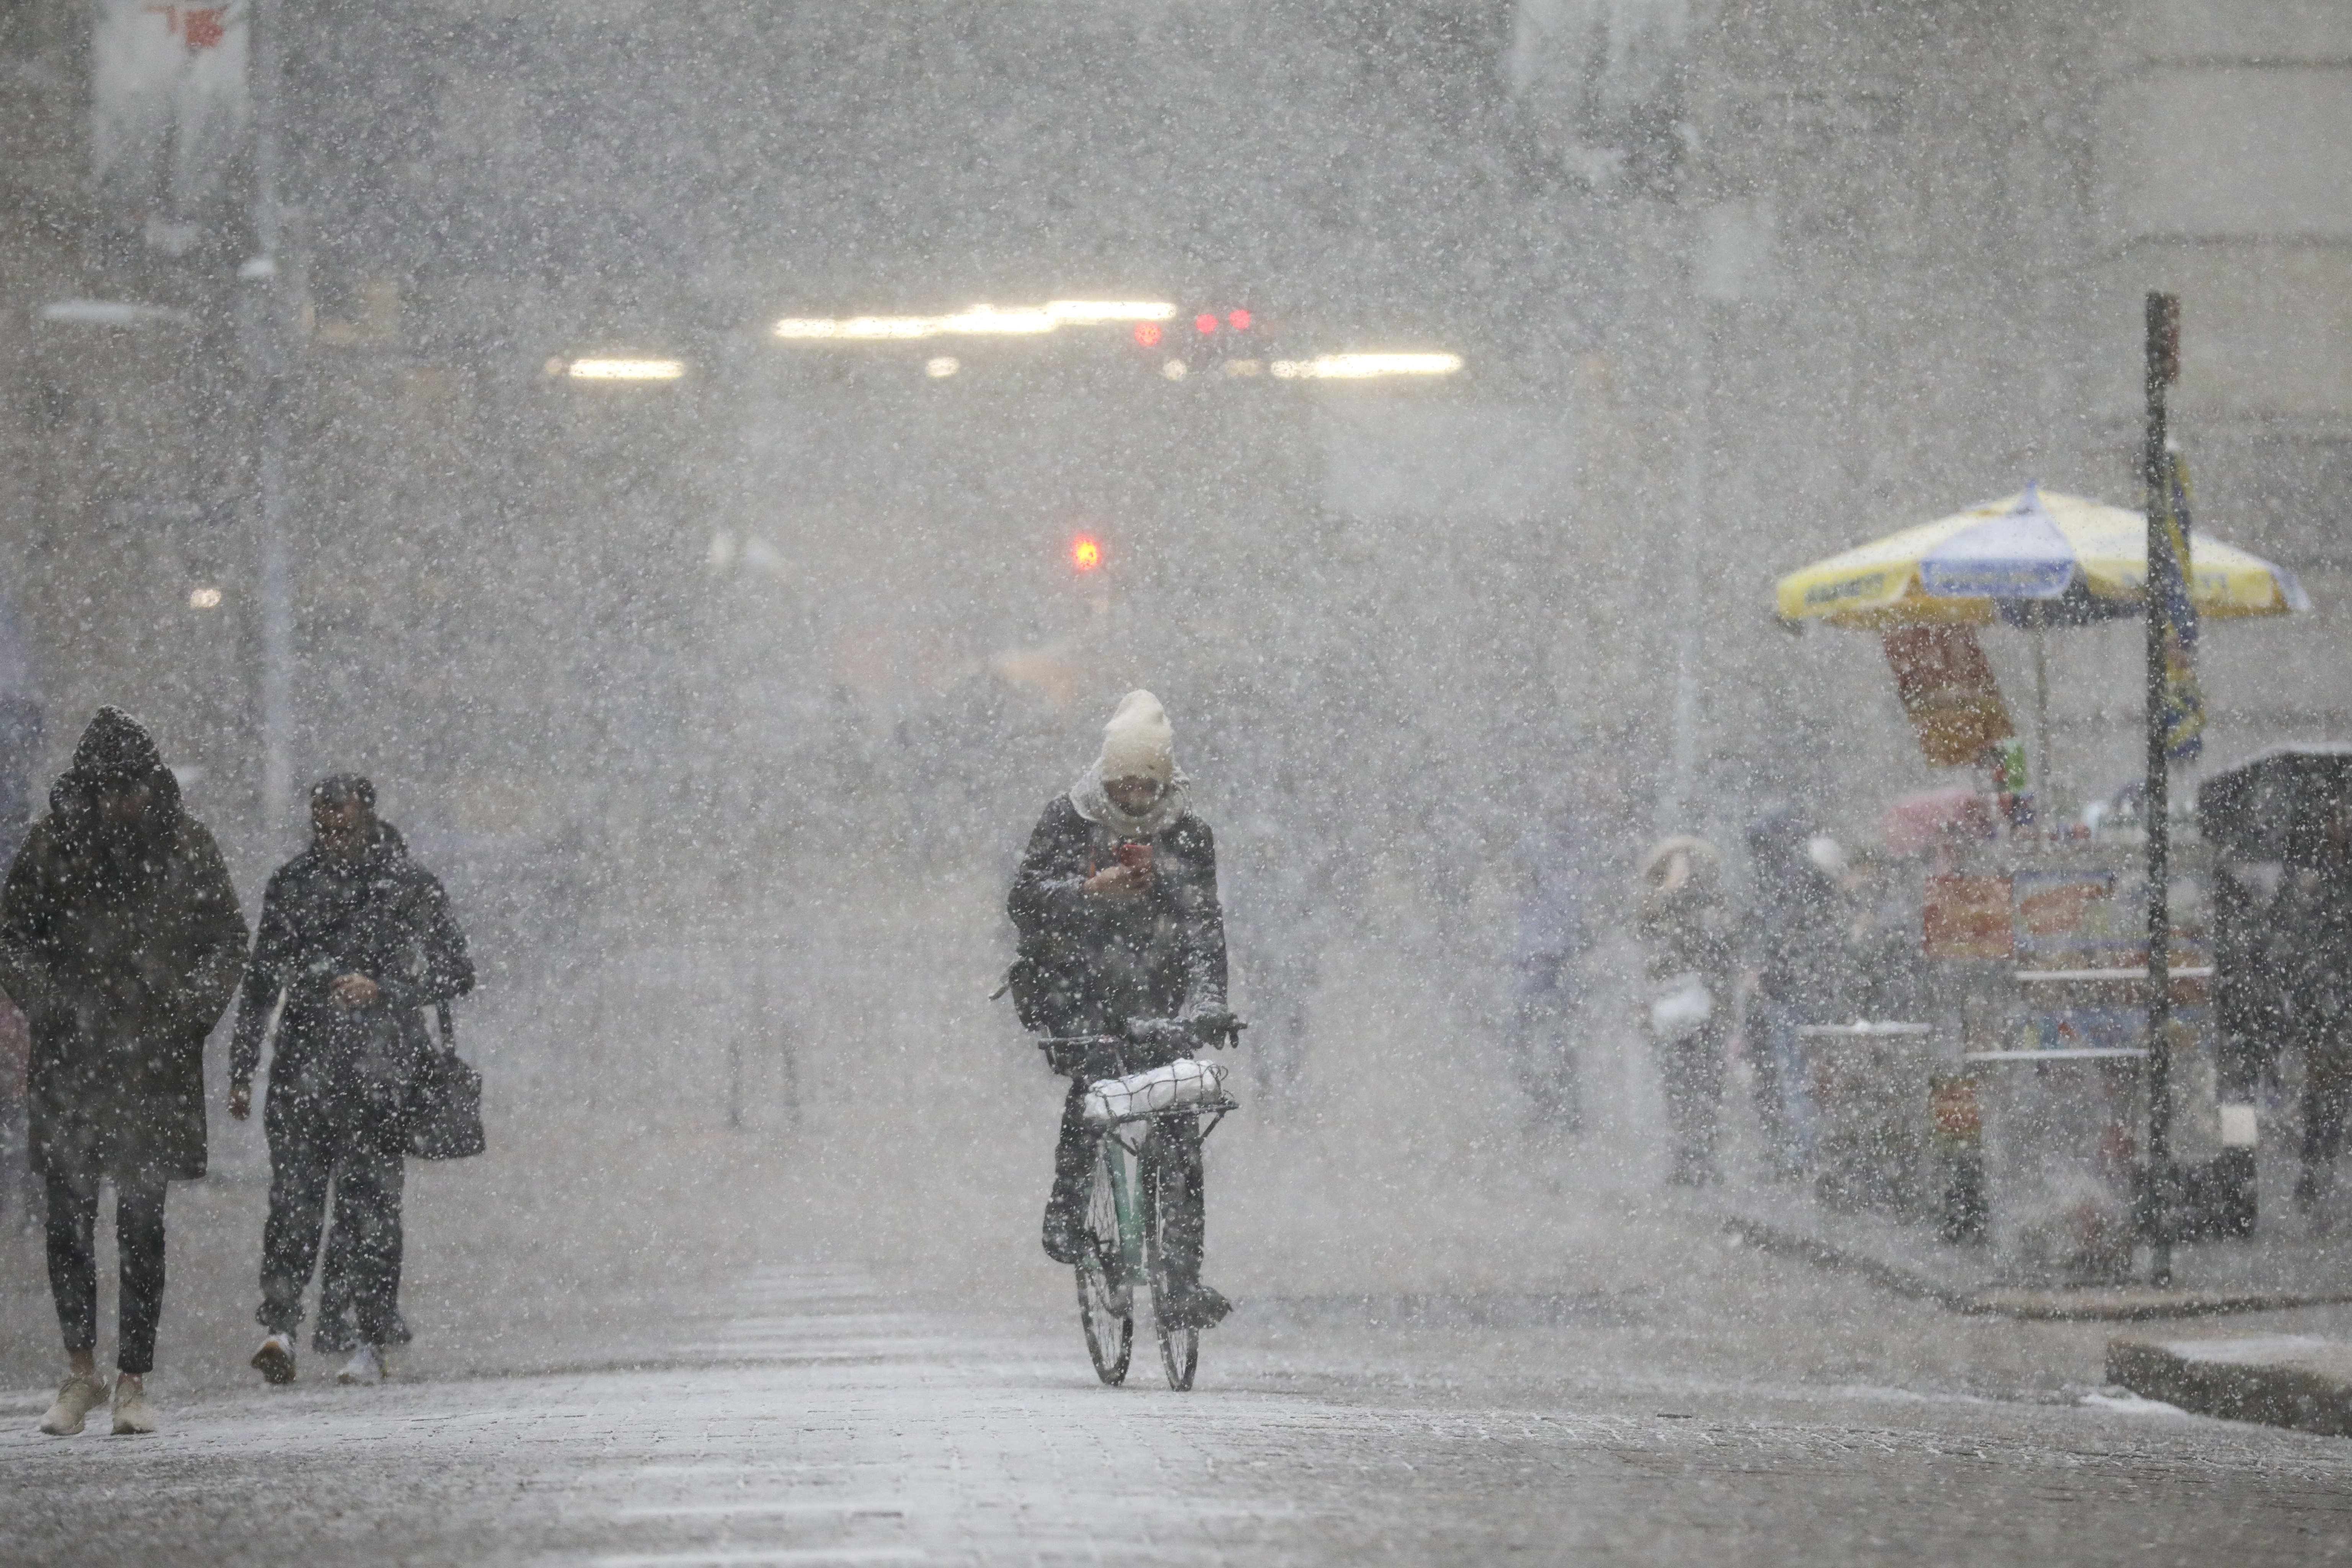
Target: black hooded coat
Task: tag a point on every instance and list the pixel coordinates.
(122, 944)
(384, 915)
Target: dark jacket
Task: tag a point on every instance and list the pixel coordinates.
(1089, 965)
(121, 942)
(383, 916)
(1796, 934)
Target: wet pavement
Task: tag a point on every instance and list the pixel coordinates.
(697, 1348)
(812, 1415)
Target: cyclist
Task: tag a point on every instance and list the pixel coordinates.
(1116, 903)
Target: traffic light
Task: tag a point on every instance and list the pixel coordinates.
(1232, 340)
(1085, 552)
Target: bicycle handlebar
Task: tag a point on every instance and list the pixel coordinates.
(1207, 1028)
(1105, 1055)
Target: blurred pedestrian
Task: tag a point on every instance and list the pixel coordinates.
(2316, 906)
(1795, 930)
(1552, 941)
(1684, 924)
(120, 940)
(357, 938)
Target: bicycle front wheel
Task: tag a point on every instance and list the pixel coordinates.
(1105, 1297)
(1164, 1197)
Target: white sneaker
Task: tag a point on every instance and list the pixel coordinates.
(77, 1398)
(274, 1360)
(132, 1416)
(368, 1367)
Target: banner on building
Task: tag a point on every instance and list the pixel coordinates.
(2184, 701)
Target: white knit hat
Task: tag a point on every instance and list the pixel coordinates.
(1138, 743)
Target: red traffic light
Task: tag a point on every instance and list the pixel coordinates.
(1148, 333)
(1085, 552)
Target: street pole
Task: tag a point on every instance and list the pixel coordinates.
(2163, 368)
(263, 329)
(1674, 802)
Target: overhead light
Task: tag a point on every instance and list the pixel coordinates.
(860, 327)
(980, 321)
(1110, 309)
(1358, 367)
(625, 369)
(110, 313)
(941, 368)
(989, 318)
(203, 598)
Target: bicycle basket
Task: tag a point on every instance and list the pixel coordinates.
(1182, 1084)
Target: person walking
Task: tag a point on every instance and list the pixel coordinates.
(2314, 922)
(357, 938)
(1686, 957)
(1549, 947)
(1796, 966)
(1116, 904)
(120, 940)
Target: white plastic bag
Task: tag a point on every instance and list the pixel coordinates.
(1179, 1084)
(1682, 1007)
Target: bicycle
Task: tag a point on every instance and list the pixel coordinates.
(1132, 1200)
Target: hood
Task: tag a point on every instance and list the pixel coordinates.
(114, 748)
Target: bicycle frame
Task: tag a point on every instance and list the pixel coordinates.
(1131, 1137)
(1126, 1246)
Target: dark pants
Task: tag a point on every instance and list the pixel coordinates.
(2327, 1087)
(1175, 1151)
(1544, 1016)
(1691, 1072)
(359, 1292)
(73, 1263)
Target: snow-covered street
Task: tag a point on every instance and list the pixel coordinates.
(811, 1418)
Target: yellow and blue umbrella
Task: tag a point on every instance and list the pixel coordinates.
(2036, 558)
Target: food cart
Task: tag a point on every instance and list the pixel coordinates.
(2026, 1064)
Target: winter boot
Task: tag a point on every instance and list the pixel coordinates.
(79, 1395)
(1200, 1307)
(132, 1416)
(368, 1367)
(274, 1360)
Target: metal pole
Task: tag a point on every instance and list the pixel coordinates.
(1682, 773)
(266, 344)
(2163, 367)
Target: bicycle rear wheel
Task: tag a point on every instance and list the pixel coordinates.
(1106, 1298)
(1179, 1344)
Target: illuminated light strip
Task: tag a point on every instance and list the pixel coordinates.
(988, 318)
(1110, 310)
(980, 321)
(625, 369)
(1358, 367)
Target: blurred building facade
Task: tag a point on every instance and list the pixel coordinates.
(1737, 286)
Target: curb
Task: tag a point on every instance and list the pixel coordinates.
(2276, 1380)
(2085, 1303)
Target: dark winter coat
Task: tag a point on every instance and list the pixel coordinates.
(383, 916)
(121, 944)
(1795, 924)
(1089, 965)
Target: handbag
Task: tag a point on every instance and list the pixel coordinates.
(444, 1110)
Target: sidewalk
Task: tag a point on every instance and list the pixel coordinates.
(2278, 1380)
(2289, 1262)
